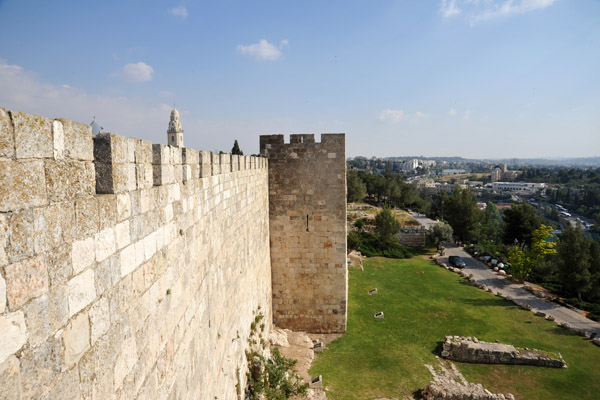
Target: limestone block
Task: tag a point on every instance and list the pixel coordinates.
(83, 254)
(105, 244)
(25, 280)
(65, 386)
(45, 314)
(87, 218)
(144, 151)
(13, 333)
(176, 155)
(81, 291)
(58, 138)
(126, 361)
(52, 225)
(205, 164)
(123, 206)
(216, 164)
(67, 180)
(23, 184)
(10, 379)
(149, 246)
(122, 234)
(7, 142)
(144, 176)
(161, 154)
(129, 260)
(79, 144)
(3, 239)
(76, 339)
(99, 318)
(163, 174)
(107, 207)
(33, 135)
(2, 295)
(40, 366)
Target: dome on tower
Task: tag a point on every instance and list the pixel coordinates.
(174, 123)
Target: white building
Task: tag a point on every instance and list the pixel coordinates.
(518, 187)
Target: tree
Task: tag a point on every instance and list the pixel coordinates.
(440, 232)
(460, 210)
(357, 190)
(519, 223)
(236, 149)
(523, 261)
(386, 225)
(574, 261)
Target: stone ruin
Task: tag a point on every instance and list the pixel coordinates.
(472, 350)
(450, 384)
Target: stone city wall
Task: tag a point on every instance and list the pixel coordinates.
(307, 207)
(472, 350)
(127, 270)
(412, 236)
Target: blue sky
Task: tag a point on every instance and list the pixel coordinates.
(472, 78)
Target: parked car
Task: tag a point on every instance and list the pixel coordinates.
(456, 261)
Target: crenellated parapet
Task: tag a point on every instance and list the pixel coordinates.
(122, 261)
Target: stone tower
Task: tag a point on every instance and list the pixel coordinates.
(307, 219)
(175, 132)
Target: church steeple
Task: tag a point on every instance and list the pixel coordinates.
(175, 131)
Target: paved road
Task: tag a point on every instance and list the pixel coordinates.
(484, 275)
(422, 219)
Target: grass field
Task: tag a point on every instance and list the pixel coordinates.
(422, 304)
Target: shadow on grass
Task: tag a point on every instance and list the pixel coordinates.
(437, 350)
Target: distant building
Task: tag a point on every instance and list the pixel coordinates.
(518, 187)
(501, 173)
(453, 171)
(175, 131)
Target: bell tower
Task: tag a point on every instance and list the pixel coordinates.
(175, 131)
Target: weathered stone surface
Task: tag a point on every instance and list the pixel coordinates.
(99, 318)
(83, 254)
(123, 237)
(13, 333)
(2, 295)
(78, 140)
(58, 139)
(7, 141)
(76, 339)
(23, 184)
(10, 379)
(81, 291)
(53, 225)
(307, 212)
(25, 280)
(3, 239)
(33, 135)
(68, 180)
(129, 262)
(473, 350)
(105, 244)
(87, 217)
(40, 366)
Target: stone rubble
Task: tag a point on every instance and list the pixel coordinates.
(450, 384)
(472, 350)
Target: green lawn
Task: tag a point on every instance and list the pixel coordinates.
(423, 303)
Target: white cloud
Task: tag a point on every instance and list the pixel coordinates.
(392, 115)
(138, 72)
(180, 12)
(452, 112)
(20, 90)
(448, 8)
(482, 10)
(262, 50)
